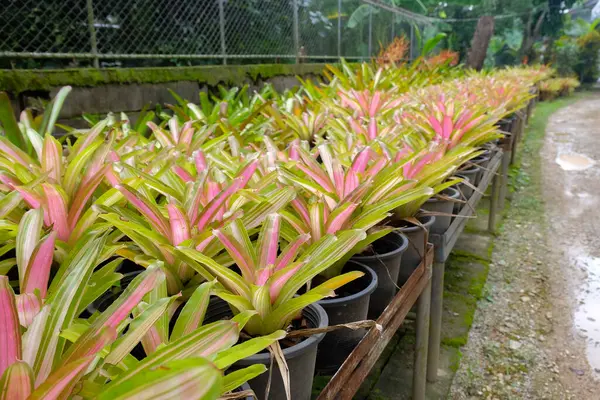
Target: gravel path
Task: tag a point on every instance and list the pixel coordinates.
(537, 334)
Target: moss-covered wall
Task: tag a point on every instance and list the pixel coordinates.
(18, 81)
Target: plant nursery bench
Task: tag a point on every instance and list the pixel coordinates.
(443, 245)
(417, 290)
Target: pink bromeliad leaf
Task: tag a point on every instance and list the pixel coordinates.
(56, 209)
(269, 241)
(52, 158)
(180, 229)
(38, 271)
(290, 253)
(10, 334)
(117, 312)
(147, 209)
(28, 306)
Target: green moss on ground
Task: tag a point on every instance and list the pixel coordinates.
(17, 81)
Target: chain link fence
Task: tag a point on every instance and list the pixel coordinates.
(190, 32)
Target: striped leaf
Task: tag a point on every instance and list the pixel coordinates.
(10, 333)
(192, 314)
(192, 378)
(16, 382)
(28, 237)
(203, 342)
(118, 310)
(64, 296)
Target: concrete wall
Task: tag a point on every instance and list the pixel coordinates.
(103, 91)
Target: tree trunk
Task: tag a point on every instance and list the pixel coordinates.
(532, 33)
(481, 40)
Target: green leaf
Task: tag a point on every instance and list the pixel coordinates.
(9, 122)
(66, 291)
(192, 314)
(228, 357)
(192, 378)
(432, 43)
(203, 342)
(51, 114)
(237, 378)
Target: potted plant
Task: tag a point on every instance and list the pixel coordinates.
(270, 276)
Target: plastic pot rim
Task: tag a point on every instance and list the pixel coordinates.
(428, 221)
(455, 195)
(385, 256)
(297, 349)
(356, 296)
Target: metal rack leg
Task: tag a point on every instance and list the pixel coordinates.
(504, 175)
(435, 328)
(421, 345)
(493, 204)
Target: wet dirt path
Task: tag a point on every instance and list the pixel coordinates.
(536, 333)
(571, 187)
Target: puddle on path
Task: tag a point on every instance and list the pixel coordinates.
(587, 315)
(574, 162)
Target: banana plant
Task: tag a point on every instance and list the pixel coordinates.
(272, 271)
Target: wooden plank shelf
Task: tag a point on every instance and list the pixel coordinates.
(347, 380)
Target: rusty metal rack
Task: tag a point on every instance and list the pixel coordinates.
(443, 245)
(417, 290)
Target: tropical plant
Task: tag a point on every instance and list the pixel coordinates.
(41, 364)
(195, 206)
(269, 279)
(62, 185)
(334, 197)
(395, 52)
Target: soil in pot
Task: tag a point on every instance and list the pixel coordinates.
(384, 257)
(300, 357)
(417, 238)
(351, 305)
(443, 207)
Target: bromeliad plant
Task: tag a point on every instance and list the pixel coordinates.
(39, 363)
(62, 185)
(334, 197)
(177, 208)
(272, 271)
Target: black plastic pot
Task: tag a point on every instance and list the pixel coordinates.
(351, 306)
(505, 124)
(471, 172)
(300, 358)
(442, 206)
(482, 161)
(417, 238)
(386, 263)
(465, 191)
(242, 388)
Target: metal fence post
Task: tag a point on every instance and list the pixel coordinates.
(296, 33)
(370, 30)
(339, 32)
(93, 40)
(222, 31)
